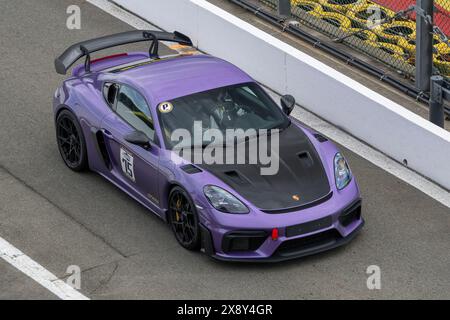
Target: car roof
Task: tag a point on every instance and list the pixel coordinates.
(167, 79)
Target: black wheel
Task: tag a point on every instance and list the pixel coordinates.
(71, 143)
(183, 219)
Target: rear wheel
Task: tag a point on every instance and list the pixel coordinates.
(71, 143)
(183, 219)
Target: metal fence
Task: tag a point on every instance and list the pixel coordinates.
(409, 36)
(442, 31)
(382, 29)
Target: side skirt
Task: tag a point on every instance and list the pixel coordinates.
(160, 215)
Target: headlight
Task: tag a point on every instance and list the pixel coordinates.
(341, 171)
(223, 200)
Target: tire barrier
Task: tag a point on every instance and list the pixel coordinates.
(393, 50)
(390, 53)
(442, 48)
(308, 6)
(367, 36)
(365, 14)
(336, 19)
(350, 21)
(396, 30)
(442, 62)
(341, 5)
(410, 45)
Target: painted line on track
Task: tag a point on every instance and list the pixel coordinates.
(21, 261)
(363, 150)
(38, 273)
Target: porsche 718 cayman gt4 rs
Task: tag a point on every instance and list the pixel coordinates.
(116, 116)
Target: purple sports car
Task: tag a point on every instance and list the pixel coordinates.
(118, 115)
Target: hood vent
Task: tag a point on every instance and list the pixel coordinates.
(236, 177)
(306, 159)
(301, 178)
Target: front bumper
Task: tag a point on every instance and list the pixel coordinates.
(295, 253)
(295, 241)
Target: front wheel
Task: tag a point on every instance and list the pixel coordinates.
(184, 219)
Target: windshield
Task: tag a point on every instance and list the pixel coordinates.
(243, 106)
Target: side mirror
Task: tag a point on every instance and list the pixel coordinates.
(138, 138)
(287, 103)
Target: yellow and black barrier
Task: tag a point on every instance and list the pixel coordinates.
(371, 28)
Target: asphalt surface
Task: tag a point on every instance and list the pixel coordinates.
(60, 218)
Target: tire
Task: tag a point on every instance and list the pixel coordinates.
(338, 20)
(342, 6)
(396, 30)
(361, 13)
(442, 62)
(392, 50)
(307, 6)
(71, 142)
(183, 219)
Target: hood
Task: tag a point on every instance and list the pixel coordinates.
(300, 182)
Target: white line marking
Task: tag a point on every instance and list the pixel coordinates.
(374, 156)
(38, 273)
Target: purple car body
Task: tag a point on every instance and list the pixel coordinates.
(279, 233)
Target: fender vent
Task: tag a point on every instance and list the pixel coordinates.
(102, 148)
(320, 137)
(190, 169)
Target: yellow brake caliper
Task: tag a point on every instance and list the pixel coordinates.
(177, 215)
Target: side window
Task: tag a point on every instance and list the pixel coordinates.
(131, 106)
(110, 93)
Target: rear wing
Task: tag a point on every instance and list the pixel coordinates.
(85, 48)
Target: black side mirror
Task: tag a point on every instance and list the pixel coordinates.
(287, 103)
(138, 138)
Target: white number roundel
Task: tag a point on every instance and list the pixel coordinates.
(165, 107)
